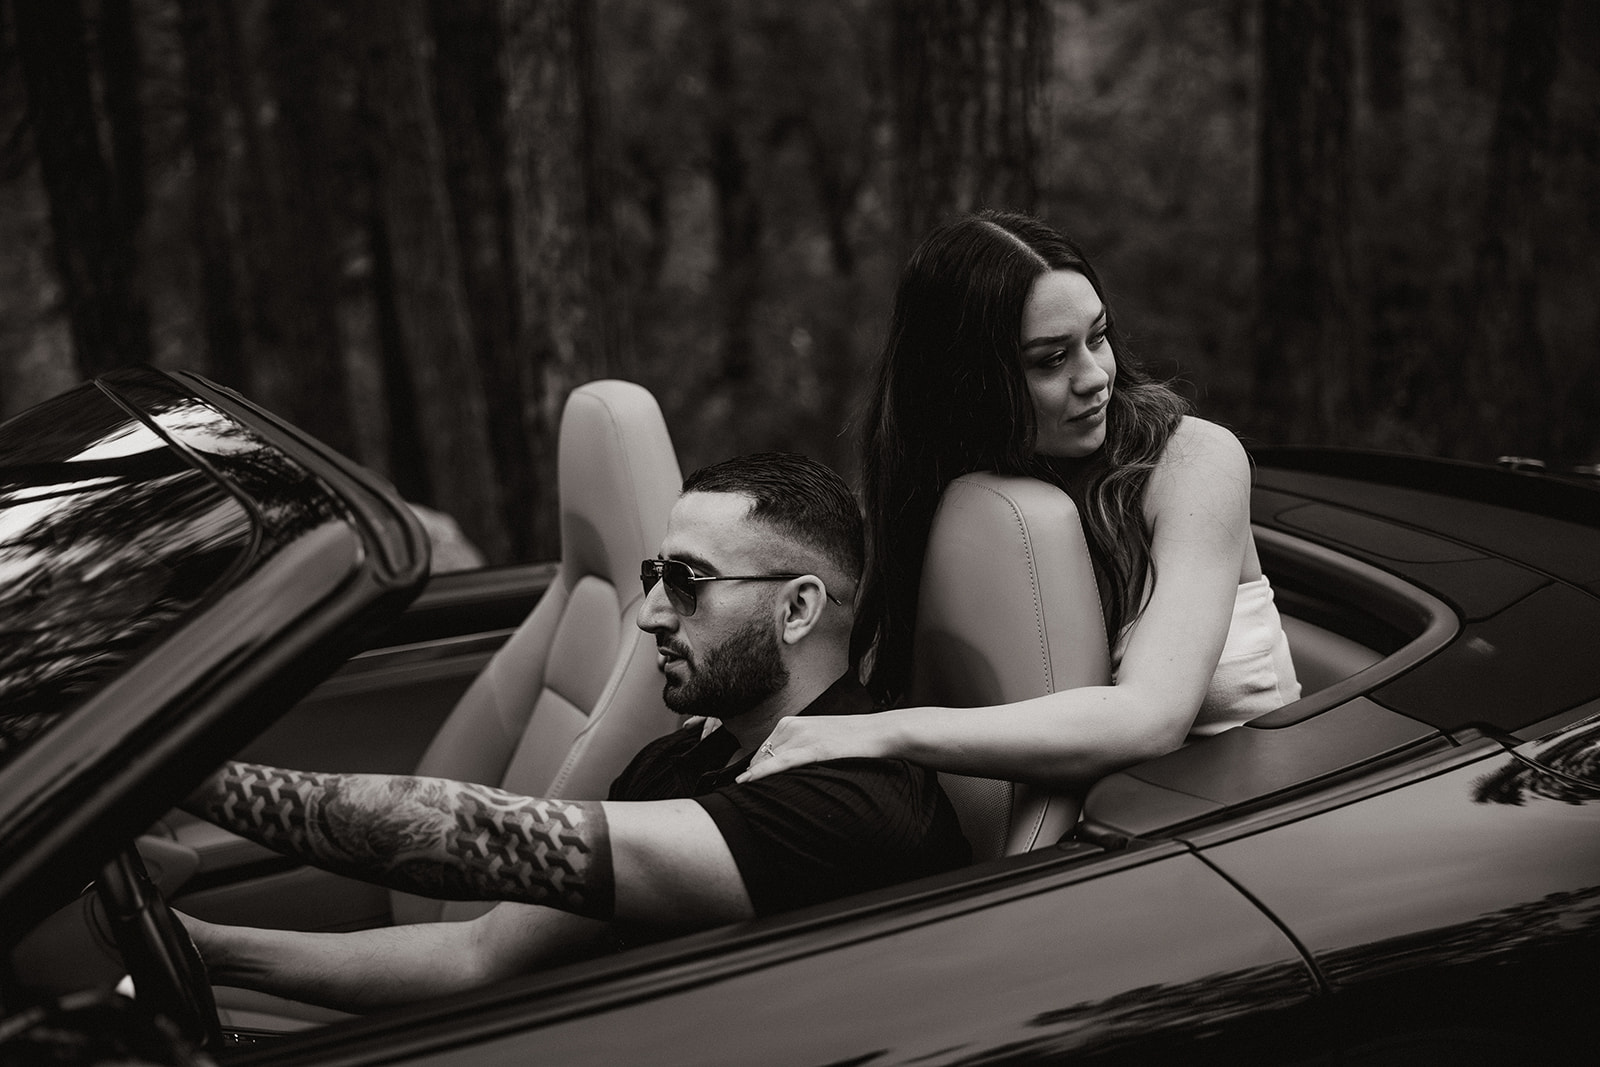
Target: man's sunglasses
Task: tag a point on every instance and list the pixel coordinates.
(681, 582)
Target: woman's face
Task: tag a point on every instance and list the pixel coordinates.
(1068, 363)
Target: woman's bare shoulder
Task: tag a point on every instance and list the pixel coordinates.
(1202, 448)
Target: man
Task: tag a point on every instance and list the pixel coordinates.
(749, 605)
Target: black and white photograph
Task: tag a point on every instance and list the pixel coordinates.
(799, 533)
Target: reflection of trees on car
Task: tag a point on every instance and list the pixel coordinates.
(1125, 1022)
(88, 585)
(102, 552)
(1573, 757)
(1494, 939)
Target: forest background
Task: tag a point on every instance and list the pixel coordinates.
(412, 226)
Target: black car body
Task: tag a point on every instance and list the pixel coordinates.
(1402, 866)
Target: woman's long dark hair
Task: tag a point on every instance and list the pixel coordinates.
(951, 398)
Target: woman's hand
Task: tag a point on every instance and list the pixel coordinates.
(796, 741)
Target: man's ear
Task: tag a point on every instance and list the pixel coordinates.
(800, 607)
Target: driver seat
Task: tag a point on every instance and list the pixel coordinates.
(574, 692)
(1008, 609)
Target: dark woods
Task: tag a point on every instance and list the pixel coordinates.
(412, 226)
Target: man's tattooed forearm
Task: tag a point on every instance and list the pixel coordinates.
(423, 835)
(504, 846)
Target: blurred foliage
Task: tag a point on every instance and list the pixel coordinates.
(707, 196)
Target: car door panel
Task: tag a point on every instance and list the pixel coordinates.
(381, 709)
(1159, 953)
(1442, 910)
(379, 712)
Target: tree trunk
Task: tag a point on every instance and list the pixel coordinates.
(249, 198)
(571, 316)
(407, 458)
(1383, 35)
(1508, 375)
(970, 113)
(470, 82)
(300, 297)
(1383, 32)
(1308, 366)
(739, 221)
(838, 178)
(93, 208)
(207, 116)
(266, 184)
(118, 48)
(431, 321)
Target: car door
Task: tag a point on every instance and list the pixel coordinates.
(1450, 906)
(1120, 957)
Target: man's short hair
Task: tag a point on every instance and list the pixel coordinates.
(797, 496)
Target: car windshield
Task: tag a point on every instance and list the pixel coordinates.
(108, 536)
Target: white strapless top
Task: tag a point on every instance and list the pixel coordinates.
(1255, 674)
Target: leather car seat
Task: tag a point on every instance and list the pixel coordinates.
(574, 692)
(1008, 610)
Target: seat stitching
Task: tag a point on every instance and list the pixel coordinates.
(628, 471)
(627, 640)
(1038, 818)
(1036, 827)
(613, 425)
(1033, 583)
(618, 423)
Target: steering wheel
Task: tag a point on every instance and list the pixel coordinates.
(168, 975)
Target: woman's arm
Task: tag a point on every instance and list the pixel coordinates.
(1197, 502)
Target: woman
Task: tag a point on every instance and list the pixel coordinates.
(1002, 355)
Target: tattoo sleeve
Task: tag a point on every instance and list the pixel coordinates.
(422, 835)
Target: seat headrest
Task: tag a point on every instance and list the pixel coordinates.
(1008, 609)
(619, 477)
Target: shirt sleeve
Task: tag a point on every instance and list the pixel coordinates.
(828, 829)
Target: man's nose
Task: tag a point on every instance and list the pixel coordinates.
(655, 612)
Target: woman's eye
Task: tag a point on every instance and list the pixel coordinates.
(1054, 359)
(1097, 340)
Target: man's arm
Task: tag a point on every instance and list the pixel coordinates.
(661, 863)
(370, 969)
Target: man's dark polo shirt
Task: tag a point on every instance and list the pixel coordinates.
(811, 833)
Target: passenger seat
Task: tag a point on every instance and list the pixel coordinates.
(1008, 610)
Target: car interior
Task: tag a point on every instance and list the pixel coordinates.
(555, 704)
(573, 692)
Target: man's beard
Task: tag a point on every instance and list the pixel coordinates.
(732, 678)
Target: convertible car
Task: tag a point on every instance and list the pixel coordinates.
(1401, 866)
